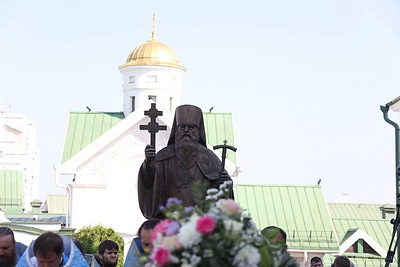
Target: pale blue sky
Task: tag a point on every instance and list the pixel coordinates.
(303, 79)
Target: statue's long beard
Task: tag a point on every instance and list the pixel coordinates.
(186, 153)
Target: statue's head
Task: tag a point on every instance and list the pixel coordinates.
(187, 132)
(188, 125)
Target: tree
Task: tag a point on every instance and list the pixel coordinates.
(92, 236)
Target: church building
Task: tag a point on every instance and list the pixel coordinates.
(104, 150)
(19, 163)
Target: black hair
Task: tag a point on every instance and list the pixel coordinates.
(341, 261)
(107, 244)
(147, 225)
(5, 231)
(47, 242)
(315, 260)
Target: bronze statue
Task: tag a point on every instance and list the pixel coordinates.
(185, 160)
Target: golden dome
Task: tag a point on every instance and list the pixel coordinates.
(154, 53)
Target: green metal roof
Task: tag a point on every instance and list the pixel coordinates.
(299, 210)
(367, 217)
(85, 127)
(56, 204)
(219, 127)
(11, 190)
(22, 228)
(379, 230)
(355, 211)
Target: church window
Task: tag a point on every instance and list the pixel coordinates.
(133, 103)
(132, 79)
(171, 104)
(152, 78)
(153, 97)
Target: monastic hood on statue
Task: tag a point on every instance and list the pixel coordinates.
(185, 114)
(188, 114)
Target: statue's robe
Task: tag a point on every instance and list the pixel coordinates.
(170, 178)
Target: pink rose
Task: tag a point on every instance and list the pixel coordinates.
(230, 207)
(161, 256)
(161, 227)
(205, 225)
(171, 242)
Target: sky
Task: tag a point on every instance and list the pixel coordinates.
(304, 80)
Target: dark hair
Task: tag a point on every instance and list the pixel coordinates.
(5, 231)
(315, 260)
(148, 225)
(47, 242)
(107, 244)
(341, 261)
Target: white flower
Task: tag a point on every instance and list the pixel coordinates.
(247, 256)
(158, 240)
(213, 211)
(233, 228)
(212, 191)
(195, 260)
(188, 235)
(212, 197)
(194, 218)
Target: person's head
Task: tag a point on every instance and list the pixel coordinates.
(341, 261)
(108, 253)
(145, 232)
(274, 234)
(7, 247)
(316, 262)
(49, 249)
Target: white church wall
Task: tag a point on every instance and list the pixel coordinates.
(105, 187)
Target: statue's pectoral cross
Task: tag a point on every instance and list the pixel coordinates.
(224, 147)
(153, 127)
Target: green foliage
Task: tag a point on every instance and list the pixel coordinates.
(92, 236)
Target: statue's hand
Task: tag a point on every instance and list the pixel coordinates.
(223, 176)
(149, 153)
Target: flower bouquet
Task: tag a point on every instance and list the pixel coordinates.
(213, 233)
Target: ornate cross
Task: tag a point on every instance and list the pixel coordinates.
(224, 148)
(153, 127)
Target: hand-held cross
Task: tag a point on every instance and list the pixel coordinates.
(224, 148)
(153, 127)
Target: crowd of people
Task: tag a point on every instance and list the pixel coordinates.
(53, 250)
